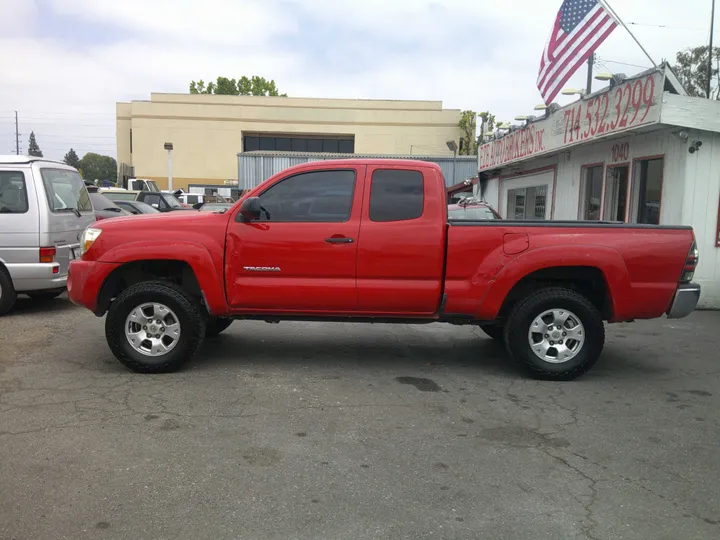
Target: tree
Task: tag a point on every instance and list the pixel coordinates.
(692, 70)
(72, 159)
(33, 148)
(97, 167)
(487, 125)
(244, 86)
(468, 125)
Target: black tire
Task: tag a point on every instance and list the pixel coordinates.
(494, 331)
(216, 325)
(7, 292)
(525, 312)
(44, 296)
(190, 315)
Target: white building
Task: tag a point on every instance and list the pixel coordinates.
(639, 151)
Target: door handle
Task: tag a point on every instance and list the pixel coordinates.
(339, 240)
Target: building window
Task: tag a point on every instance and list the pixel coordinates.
(647, 191)
(616, 188)
(327, 145)
(591, 192)
(527, 203)
(316, 197)
(396, 195)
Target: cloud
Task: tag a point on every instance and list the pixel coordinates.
(72, 60)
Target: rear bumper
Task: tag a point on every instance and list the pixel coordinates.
(84, 281)
(685, 301)
(36, 276)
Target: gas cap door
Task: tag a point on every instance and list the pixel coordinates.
(514, 243)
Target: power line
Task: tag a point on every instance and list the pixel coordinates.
(17, 136)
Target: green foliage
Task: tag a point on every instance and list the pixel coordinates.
(98, 167)
(468, 125)
(33, 148)
(692, 70)
(72, 159)
(244, 86)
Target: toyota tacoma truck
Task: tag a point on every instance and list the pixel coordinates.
(361, 240)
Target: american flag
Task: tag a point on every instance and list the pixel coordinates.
(580, 27)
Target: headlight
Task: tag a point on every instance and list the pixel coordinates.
(88, 238)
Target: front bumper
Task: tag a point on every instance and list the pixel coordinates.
(685, 301)
(84, 281)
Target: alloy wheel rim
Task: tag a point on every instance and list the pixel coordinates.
(152, 329)
(556, 336)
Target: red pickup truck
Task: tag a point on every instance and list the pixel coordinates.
(370, 241)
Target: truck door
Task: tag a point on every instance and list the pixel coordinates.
(301, 254)
(401, 253)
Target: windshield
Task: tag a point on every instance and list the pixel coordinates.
(172, 201)
(100, 202)
(120, 196)
(471, 213)
(65, 191)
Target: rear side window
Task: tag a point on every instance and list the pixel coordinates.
(319, 197)
(65, 191)
(13, 193)
(396, 195)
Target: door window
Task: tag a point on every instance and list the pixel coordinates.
(315, 197)
(396, 195)
(591, 193)
(527, 203)
(647, 191)
(152, 200)
(13, 193)
(65, 191)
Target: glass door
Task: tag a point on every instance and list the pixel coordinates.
(616, 191)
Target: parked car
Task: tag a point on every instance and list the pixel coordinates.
(44, 208)
(363, 240)
(214, 207)
(137, 207)
(165, 202)
(471, 208)
(120, 194)
(104, 207)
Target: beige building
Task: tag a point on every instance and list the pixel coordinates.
(208, 131)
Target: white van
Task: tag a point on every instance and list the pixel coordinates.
(44, 208)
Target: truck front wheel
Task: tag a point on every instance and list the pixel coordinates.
(154, 327)
(555, 334)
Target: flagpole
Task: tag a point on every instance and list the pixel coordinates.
(710, 49)
(612, 12)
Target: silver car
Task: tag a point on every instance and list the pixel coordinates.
(44, 208)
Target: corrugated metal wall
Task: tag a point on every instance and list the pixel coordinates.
(255, 167)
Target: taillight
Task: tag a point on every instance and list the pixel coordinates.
(690, 264)
(47, 254)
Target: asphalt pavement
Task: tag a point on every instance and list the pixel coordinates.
(339, 431)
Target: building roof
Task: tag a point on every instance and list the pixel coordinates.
(281, 153)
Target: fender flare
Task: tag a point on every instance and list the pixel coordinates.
(607, 260)
(208, 274)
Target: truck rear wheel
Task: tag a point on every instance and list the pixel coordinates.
(555, 334)
(154, 327)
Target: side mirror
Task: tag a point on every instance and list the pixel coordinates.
(155, 205)
(197, 206)
(250, 209)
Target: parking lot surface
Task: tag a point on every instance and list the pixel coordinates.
(339, 431)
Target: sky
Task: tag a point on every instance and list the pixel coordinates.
(65, 63)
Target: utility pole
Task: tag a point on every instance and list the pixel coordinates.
(17, 136)
(591, 63)
(710, 49)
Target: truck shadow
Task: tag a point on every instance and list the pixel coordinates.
(27, 306)
(469, 354)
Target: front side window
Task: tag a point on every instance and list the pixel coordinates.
(13, 193)
(152, 200)
(65, 191)
(172, 202)
(320, 197)
(647, 191)
(396, 195)
(591, 193)
(528, 203)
